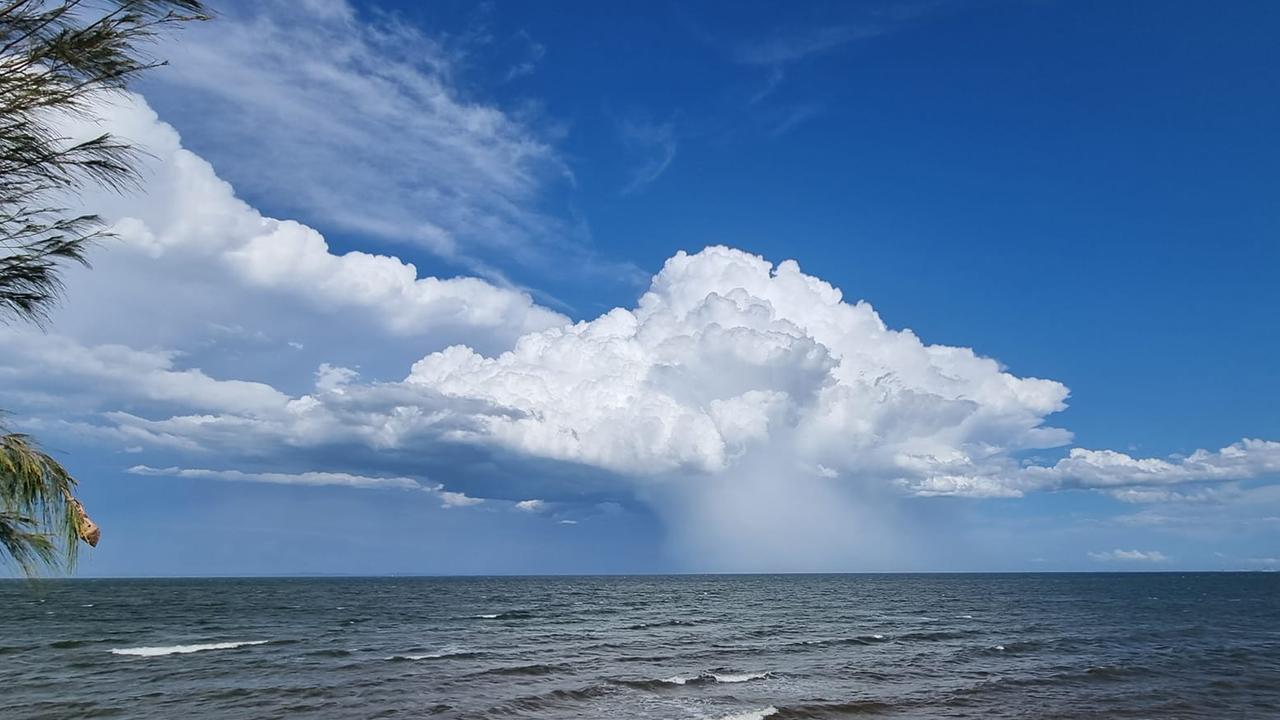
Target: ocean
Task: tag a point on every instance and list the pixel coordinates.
(1160, 645)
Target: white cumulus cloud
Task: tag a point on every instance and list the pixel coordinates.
(737, 395)
(1127, 478)
(187, 215)
(727, 353)
(734, 397)
(452, 499)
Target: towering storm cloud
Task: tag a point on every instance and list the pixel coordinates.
(726, 354)
(736, 397)
(740, 396)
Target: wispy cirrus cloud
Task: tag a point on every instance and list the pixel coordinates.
(793, 118)
(532, 55)
(788, 46)
(652, 147)
(363, 124)
(827, 32)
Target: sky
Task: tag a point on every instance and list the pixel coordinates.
(460, 288)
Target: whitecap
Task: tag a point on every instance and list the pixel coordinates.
(427, 656)
(183, 649)
(739, 677)
(997, 647)
(485, 617)
(752, 714)
(715, 677)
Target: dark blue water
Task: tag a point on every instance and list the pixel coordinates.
(907, 646)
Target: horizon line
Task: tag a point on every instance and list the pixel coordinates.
(465, 576)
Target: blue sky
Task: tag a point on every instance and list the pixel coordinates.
(1083, 192)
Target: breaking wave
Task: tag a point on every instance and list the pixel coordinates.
(705, 678)
(751, 714)
(184, 649)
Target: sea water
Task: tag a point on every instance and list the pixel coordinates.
(1163, 645)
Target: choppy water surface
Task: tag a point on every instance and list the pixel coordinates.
(741, 647)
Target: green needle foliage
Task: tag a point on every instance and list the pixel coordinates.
(38, 516)
(58, 60)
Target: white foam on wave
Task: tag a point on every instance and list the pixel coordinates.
(485, 617)
(739, 677)
(717, 677)
(997, 647)
(752, 714)
(183, 649)
(426, 656)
